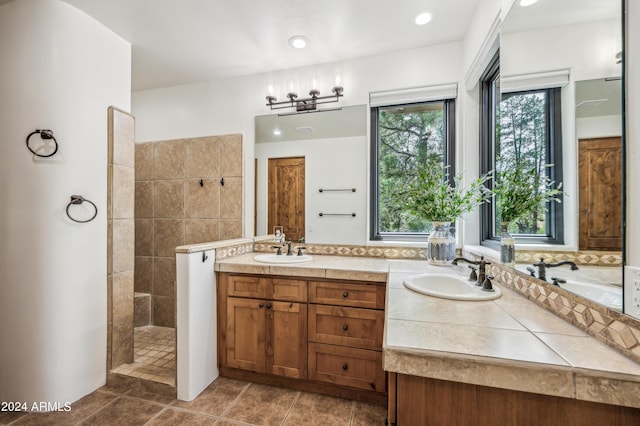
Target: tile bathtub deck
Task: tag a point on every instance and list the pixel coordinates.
(224, 402)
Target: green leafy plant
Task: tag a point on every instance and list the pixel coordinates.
(520, 190)
(432, 196)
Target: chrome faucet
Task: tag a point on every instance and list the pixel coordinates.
(482, 268)
(542, 267)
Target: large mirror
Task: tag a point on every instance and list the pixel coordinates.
(310, 175)
(577, 45)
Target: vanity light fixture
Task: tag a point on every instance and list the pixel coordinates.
(309, 104)
(525, 3)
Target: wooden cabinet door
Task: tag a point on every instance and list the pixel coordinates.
(246, 333)
(286, 341)
(600, 193)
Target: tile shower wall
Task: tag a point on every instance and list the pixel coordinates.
(187, 191)
(120, 237)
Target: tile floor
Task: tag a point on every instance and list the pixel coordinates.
(154, 355)
(224, 402)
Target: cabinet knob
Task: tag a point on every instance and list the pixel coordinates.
(268, 305)
(345, 294)
(345, 327)
(345, 366)
(261, 305)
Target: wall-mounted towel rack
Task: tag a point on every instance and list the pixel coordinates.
(337, 190)
(337, 214)
(45, 134)
(79, 199)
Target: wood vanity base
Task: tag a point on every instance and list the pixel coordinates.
(305, 385)
(420, 401)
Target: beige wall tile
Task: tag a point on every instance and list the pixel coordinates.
(122, 298)
(231, 155)
(123, 245)
(122, 345)
(201, 231)
(168, 234)
(230, 229)
(109, 246)
(109, 299)
(164, 311)
(123, 138)
(202, 157)
(143, 278)
(164, 276)
(202, 202)
(144, 237)
(144, 161)
(123, 193)
(168, 199)
(168, 159)
(142, 310)
(144, 200)
(109, 191)
(231, 199)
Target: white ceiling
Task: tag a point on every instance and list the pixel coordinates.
(184, 41)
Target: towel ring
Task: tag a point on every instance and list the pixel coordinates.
(45, 134)
(79, 199)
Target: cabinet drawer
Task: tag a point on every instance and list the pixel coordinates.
(246, 286)
(361, 328)
(287, 290)
(358, 368)
(346, 294)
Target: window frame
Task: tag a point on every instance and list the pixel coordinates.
(449, 113)
(555, 215)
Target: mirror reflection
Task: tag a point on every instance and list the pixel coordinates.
(575, 46)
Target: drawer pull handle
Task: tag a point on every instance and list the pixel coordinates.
(268, 305)
(345, 294)
(345, 366)
(261, 305)
(345, 327)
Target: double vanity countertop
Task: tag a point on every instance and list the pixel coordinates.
(509, 342)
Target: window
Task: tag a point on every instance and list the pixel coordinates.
(523, 129)
(404, 137)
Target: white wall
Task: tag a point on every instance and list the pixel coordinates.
(230, 105)
(60, 70)
(598, 127)
(329, 163)
(588, 51)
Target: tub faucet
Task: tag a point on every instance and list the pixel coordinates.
(542, 267)
(482, 267)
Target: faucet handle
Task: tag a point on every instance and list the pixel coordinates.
(558, 281)
(531, 271)
(486, 285)
(279, 252)
(300, 248)
(473, 276)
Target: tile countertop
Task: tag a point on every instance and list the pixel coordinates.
(508, 342)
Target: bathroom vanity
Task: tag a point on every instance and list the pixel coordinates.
(347, 326)
(304, 325)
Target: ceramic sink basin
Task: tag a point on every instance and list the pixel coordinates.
(282, 258)
(449, 287)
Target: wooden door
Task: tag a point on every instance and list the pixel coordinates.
(600, 193)
(246, 333)
(286, 196)
(286, 351)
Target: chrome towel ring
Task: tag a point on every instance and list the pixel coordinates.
(45, 134)
(79, 199)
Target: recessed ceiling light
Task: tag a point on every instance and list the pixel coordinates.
(298, 41)
(423, 18)
(525, 3)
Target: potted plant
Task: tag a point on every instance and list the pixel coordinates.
(519, 191)
(432, 195)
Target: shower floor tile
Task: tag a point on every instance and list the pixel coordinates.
(154, 355)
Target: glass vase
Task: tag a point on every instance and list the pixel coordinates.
(441, 245)
(507, 246)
